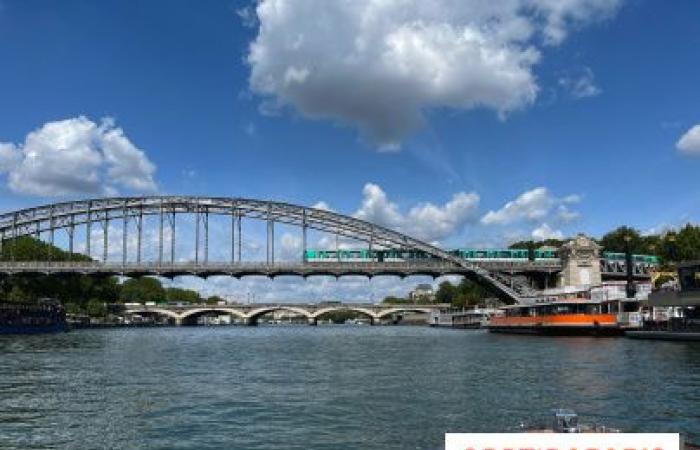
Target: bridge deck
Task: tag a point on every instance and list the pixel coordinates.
(270, 270)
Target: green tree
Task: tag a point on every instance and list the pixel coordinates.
(17, 295)
(446, 292)
(392, 300)
(466, 293)
(179, 295)
(96, 308)
(214, 300)
(141, 290)
(617, 241)
(534, 245)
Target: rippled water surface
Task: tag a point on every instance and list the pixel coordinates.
(327, 387)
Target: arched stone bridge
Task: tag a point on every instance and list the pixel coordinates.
(250, 314)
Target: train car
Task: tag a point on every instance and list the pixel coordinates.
(492, 254)
(638, 259)
(546, 253)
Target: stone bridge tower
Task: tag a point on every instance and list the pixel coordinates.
(580, 259)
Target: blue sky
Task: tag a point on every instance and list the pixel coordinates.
(422, 118)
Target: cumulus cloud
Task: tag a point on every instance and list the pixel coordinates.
(533, 206)
(76, 156)
(425, 221)
(379, 65)
(9, 157)
(291, 247)
(580, 85)
(544, 231)
(689, 143)
(322, 205)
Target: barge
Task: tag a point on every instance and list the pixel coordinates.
(567, 317)
(47, 316)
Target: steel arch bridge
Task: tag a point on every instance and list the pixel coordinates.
(101, 212)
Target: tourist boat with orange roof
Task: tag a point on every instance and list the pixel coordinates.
(567, 317)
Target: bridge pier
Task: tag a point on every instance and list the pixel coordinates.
(312, 321)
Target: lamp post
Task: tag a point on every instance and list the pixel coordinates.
(630, 289)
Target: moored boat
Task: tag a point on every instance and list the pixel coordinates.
(47, 316)
(564, 420)
(563, 317)
(567, 421)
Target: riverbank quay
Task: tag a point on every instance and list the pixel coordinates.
(675, 311)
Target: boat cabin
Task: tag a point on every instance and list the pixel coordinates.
(565, 421)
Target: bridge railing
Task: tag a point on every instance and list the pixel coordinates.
(183, 264)
(275, 265)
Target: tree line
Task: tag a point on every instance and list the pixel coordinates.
(670, 247)
(81, 294)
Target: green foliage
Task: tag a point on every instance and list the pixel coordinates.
(16, 295)
(25, 248)
(446, 292)
(392, 300)
(617, 241)
(214, 300)
(466, 293)
(683, 245)
(142, 290)
(182, 295)
(534, 245)
(73, 308)
(96, 308)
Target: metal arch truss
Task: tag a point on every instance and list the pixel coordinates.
(68, 215)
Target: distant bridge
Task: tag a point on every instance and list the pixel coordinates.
(249, 314)
(94, 219)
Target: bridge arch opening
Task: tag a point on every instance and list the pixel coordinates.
(293, 315)
(398, 314)
(343, 315)
(212, 316)
(152, 317)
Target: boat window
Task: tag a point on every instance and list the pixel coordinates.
(563, 309)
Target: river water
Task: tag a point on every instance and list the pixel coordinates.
(327, 387)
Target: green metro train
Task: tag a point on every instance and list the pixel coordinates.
(498, 254)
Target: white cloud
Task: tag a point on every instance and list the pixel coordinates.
(566, 215)
(379, 65)
(544, 231)
(536, 207)
(580, 85)
(530, 205)
(76, 156)
(424, 221)
(377, 208)
(689, 143)
(322, 205)
(291, 247)
(9, 157)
